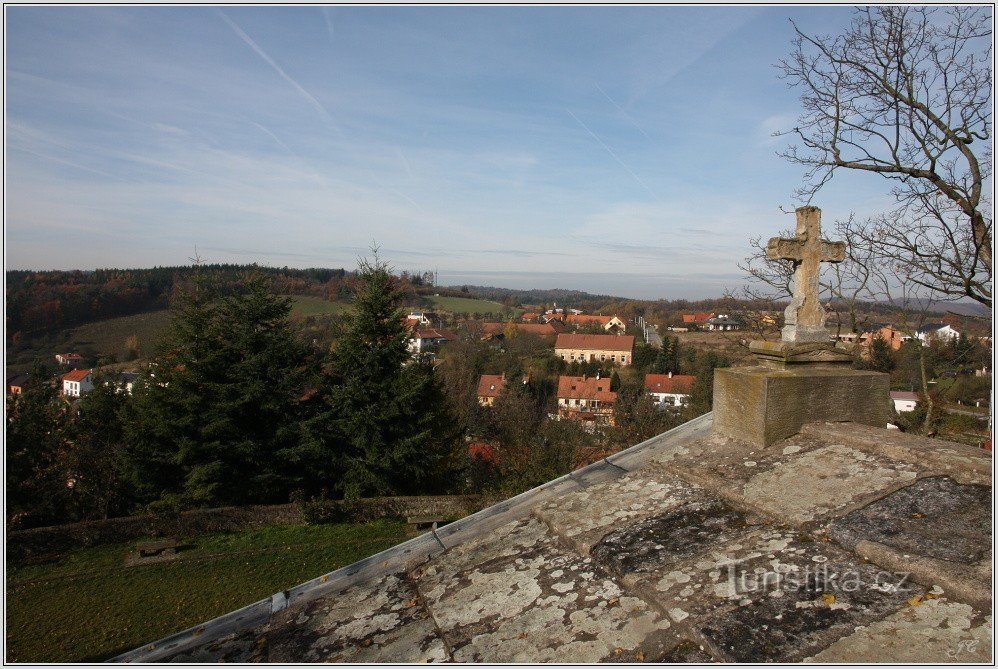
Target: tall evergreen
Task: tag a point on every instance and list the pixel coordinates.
(96, 456)
(391, 422)
(224, 402)
(36, 445)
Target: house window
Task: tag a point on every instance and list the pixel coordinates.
(623, 358)
(582, 403)
(573, 356)
(602, 356)
(613, 358)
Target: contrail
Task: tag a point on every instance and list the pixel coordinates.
(615, 156)
(277, 68)
(69, 162)
(329, 23)
(626, 115)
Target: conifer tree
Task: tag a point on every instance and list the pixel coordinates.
(95, 460)
(222, 410)
(35, 445)
(389, 412)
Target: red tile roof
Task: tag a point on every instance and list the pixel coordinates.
(434, 333)
(490, 385)
(583, 319)
(596, 342)
(697, 318)
(539, 329)
(76, 375)
(586, 388)
(679, 384)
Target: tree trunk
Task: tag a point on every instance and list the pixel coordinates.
(927, 423)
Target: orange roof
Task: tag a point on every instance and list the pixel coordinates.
(529, 316)
(539, 329)
(434, 333)
(490, 385)
(582, 319)
(697, 318)
(76, 375)
(679, 384)
(586, 388)
(596, 342)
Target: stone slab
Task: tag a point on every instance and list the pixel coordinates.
(915, 518)
(762, 405)
(660, 540)
(382, 620)
(825, 481)
(518, 597)
(963, 463)
(770, 594)
(582, 518)
(245, 647)
(935, 631)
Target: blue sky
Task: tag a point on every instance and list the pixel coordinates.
(619, 150)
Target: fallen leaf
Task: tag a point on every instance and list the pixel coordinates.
(930, 595)
(366, 642)
(828, 598)
(522, 635)
(614, 601)
(618, 651)
(915, 601)
(640, 657)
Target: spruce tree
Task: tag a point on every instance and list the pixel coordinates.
(95, 459)
(220, 416)
(36, 444)
(391, 421)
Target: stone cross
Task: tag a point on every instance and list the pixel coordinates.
(805, 317)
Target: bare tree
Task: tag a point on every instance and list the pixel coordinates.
(905, 93)
(843, 285)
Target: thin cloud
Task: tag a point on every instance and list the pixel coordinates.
(329, 24)
(277, 68)
(614, 155)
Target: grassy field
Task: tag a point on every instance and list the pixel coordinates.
(466, 305)
(305, 305)
(107, 338)
(87, 606)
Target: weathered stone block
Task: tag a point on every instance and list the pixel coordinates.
(762, 405)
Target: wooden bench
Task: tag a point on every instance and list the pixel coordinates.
(157, 547)
(419, 522)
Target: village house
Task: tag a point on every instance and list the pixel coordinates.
(696, 319)
(669, 390)
(611, 324)
(421, 341)
(904, 400)
(126, 381)
(423, 317)
(501, 330)
(77, 382)
(615, 349)
(68, 359)
(15, 384)
(489, 388)
(894, 337)
(936, 332)
(723, 323)
(586, 399)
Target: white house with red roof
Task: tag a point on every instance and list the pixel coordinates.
(904, 400)
(428, 338)
(669, 390)
(587, 399)
(77, 382)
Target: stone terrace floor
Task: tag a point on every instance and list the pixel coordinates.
(841, 544)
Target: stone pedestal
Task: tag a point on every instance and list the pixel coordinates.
(767, 403)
